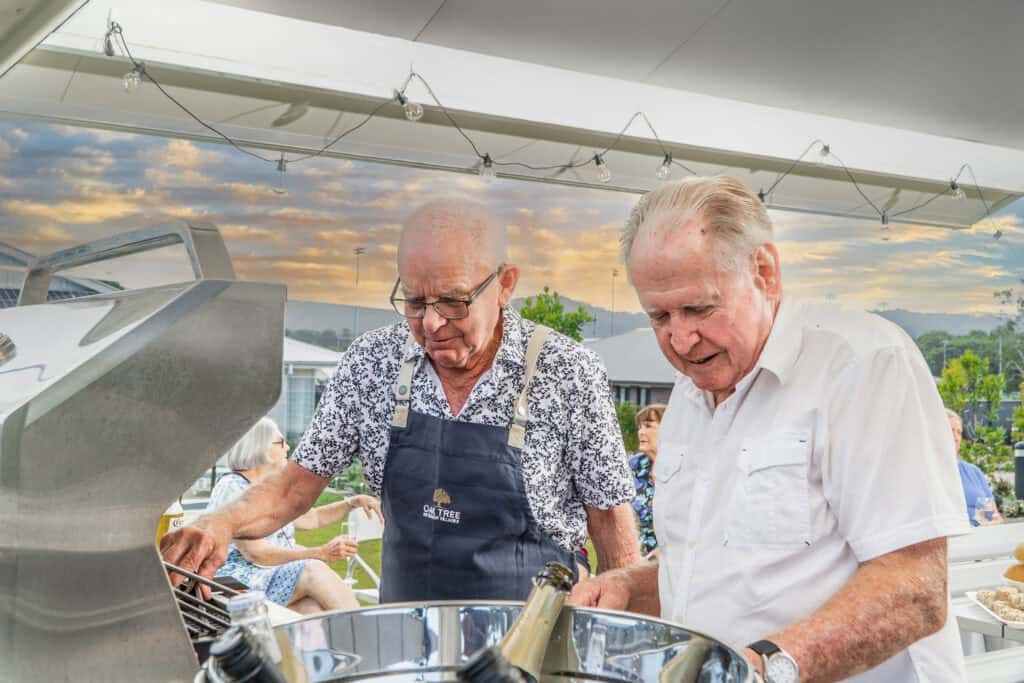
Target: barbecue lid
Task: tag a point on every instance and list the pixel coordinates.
(54, 339)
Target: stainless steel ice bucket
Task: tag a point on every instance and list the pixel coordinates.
(409, 642)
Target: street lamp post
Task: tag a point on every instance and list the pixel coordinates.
(615, 273)
(358, 251)
(945, 343)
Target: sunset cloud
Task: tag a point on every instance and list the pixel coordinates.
(63, 185)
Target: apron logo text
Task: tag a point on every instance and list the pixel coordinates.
(438, 512)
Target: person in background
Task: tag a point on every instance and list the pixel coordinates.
(648, 421)
(981, 504)
(291, 575)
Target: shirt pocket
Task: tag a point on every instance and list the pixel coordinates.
(770, 505)
(667, 466)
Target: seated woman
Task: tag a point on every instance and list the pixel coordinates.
(981, 504)
(648, 422)
(291, 575)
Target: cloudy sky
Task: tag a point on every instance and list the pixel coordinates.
(60, 186)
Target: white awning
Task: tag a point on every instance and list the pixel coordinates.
(736, 88)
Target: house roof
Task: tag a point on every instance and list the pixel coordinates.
(634, 358)
(301, 353)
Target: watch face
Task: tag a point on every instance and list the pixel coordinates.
(781, 669)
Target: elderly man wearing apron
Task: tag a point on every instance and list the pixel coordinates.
(492, 441)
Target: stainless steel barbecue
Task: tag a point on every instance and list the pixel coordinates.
(109, 406)
(404, 643)
(113, 403)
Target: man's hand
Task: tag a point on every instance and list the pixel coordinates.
(200, 548)
(338, 548)
(368, 504)
(603, 591)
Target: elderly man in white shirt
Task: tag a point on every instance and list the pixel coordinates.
(804, 487)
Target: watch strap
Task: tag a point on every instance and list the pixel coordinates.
(765, 648)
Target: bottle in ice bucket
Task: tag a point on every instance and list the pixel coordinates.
(249, 611)
(520, 655)
(239, 657)
(173, 518)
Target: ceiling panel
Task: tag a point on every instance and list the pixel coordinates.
(399, 18)
(608, 37)
(937, 66)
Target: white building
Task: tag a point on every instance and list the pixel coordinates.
(637, 369)
(303, 366)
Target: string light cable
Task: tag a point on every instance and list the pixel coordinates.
(488, 165)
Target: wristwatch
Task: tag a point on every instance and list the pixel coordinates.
(779, 666)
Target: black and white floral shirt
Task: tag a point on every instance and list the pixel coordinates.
(573, 456)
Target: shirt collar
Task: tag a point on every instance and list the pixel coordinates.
(513, 340)
(783, 346)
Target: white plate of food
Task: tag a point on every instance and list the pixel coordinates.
(1004, 603)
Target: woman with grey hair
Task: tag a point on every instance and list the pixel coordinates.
(291, 575)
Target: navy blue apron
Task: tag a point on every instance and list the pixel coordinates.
(459, 525)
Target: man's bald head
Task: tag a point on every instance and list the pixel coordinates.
(455, 251)
(454, 230)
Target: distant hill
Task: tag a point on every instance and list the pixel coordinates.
(602, 325)
(917, 324)
(312, 315)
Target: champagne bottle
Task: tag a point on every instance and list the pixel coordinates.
(520, 655)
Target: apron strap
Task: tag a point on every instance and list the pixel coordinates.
(403, 386)
(521, 415)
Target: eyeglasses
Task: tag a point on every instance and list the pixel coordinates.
(279, 442)
(447, 307)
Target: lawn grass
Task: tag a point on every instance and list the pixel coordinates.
(368, 550)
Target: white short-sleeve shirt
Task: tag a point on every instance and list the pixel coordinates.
(833, 451)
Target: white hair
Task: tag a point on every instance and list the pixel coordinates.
(953, 413)
(479, 234)
(736, 216)
(253, 449)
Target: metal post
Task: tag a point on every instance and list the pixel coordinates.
(1018, 469)
(358, 251)
(615, 273)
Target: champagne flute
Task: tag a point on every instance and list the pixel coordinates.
(346, 531)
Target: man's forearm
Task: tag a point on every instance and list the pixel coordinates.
(888, 604)
(615, 537)
(270, 504)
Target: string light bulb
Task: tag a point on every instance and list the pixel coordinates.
(763, 196)
(282, 168)
(413, 110)
(487, 171)
(604, 174)
(665, 170)
(956, 192)
(132, 80)
(997, 234)
(885, 218)
(824, 152)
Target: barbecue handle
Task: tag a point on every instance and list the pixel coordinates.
(202, 241)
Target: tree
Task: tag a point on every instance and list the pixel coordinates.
(546, 309)
(1003, 347)
(966, 384)
(626, 412)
